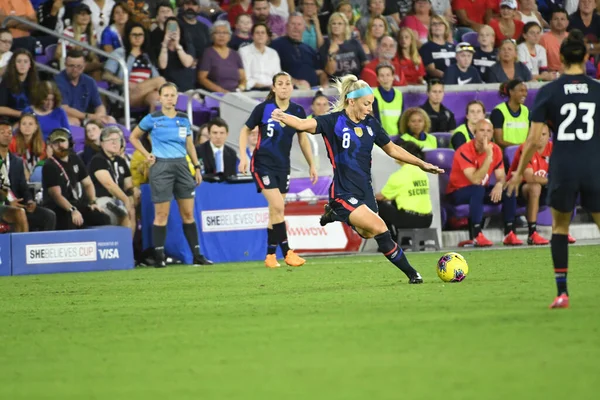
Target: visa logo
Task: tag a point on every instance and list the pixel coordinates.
(109, 254)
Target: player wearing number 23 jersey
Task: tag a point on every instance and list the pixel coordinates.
(270, 165)
(571, 107)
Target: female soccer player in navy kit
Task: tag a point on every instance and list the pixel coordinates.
(172, 140)
(569, 106)
(270, 165)
(349, 133)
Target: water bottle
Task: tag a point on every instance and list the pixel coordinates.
(39, 49)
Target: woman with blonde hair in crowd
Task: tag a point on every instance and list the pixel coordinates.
(508, 66)
(438, 53)
(409, 57)
(376, 29)
(28, 142)
(414, 127)
(340, 54)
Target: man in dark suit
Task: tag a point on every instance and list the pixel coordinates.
(217, 157)
(15, 185)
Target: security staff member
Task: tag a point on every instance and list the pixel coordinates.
(172, 139)
(387, 106)
(511, 118)
(404, 201)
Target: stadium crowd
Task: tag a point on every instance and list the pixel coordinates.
(239, 45)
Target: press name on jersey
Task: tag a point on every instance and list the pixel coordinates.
(576, 88)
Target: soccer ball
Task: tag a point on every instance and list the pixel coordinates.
(452, 267)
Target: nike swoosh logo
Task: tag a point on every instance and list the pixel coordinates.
(461, 82)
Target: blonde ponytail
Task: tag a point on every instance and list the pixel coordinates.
(345, 85)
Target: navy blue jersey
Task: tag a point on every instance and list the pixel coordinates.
(349, 146)
(569, 105)
(454, 76)
(275, 141)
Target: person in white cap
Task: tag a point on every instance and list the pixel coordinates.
(462, 73)
(507, 26)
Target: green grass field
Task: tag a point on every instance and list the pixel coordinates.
(337, 328)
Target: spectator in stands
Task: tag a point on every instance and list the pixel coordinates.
(141, 12)
(82, 30)
(345, 8)
(533, 190)
(6, 41)
(532, 54)
(164, 11)
(11, 211)
(217, 157)
(260, 62)
(112, 35)
(386, 54)
(46, 105)
(464, 133)
(221, 69)
(469, 183)
(552, 40)
(112, 180)
(261, 13)
(404, 202)
(252, 142)
(51, 15)
(409, 58)
(528, 12)
(18, 83)
(511, 118)
(462, 73)
(237, 7)
(144, 79)
(68, 189)
(93, 130)
(319, 105)
(376, 8)
(241, 36)
(340, 54)
(21, 33)
(442, 119)
(195, 30)
(387, 106)
(100, 10)
(587, 20)
(485, 55)
(282, 8)
(470, 15)
(79, 92)
(175, 58)
(298, 59)
(14, 177)
(507, 26)
(202, 135)
(28, 142)
(508, 66)
(414, 126)
(312, 35)
(438, 53)
(376, 30)
(419, 19)
(444, 8)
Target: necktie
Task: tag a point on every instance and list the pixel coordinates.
(219, 160)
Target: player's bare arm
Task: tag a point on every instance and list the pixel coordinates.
(305, 125)
(398, 153)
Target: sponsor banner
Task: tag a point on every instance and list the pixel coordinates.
(237, 219)
(53, 253)
(107, 248)
(305, 233)
(5, 256)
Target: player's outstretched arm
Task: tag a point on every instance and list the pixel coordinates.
(535, 132)
(398, 153)
(306, 125)
(306, 148)
(243, 143)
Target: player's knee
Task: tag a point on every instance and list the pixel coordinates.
(276, 210)
(187, 217)
(535, 190)
(161, 217)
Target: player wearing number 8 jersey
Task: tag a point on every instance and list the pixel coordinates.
(270, 166)
(350, 133)
(570, 107)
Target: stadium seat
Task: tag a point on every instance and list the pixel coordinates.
(50, 51)
(510, 152)
(440, 157)
(78, 135)
(471, 37)
(222, 17)
(443, 139)
(205, 21)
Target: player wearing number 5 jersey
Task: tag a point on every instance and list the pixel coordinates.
(350, 133)
(270, 166)
(570, 107)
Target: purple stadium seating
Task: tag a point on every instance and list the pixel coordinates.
(443, 139)
(470, 37)
(50, 51)
(78, 134)
(204, 20)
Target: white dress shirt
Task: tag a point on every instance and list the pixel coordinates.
(259, 67)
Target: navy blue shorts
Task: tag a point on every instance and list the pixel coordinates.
(343, 205)
(562, 194)
(271, 179)
(522, 201)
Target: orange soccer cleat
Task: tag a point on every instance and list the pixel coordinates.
(294, 260)
(561, 301)
(271, 261)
